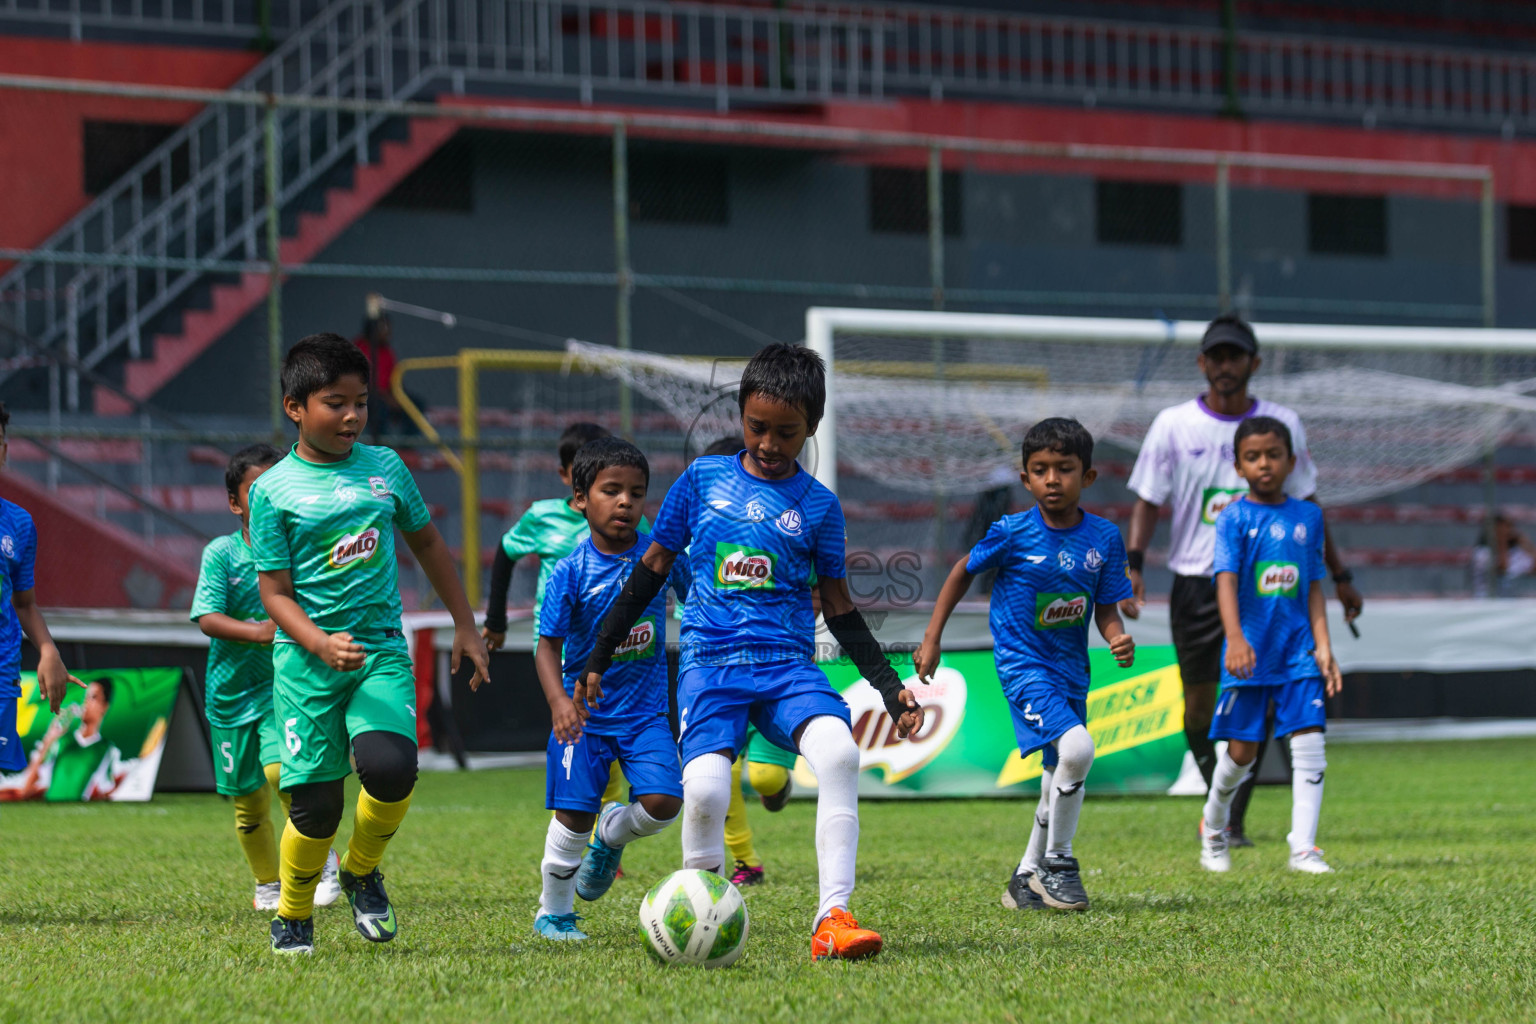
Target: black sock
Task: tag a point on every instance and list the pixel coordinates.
(1201, 745)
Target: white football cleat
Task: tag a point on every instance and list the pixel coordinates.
(329, 889)
(1214, 855)
(1311, 861)
(267, 894)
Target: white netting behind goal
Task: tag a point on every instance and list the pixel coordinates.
(946, 415)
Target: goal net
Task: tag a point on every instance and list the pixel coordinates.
(935, 404)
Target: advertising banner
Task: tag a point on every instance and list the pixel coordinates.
(967, 745)
(105, 743)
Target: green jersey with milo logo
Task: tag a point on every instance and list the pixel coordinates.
(332, 525)
(239, 678)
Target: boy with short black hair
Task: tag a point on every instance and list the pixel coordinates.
(1269, 572)
(1058, 566)
(628, 725)
(323, 529)
(20, 615)
(242, 726)
(756, 526)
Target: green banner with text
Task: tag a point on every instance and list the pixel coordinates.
(967, 746)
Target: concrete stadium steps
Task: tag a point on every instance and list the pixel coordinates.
(200, 329)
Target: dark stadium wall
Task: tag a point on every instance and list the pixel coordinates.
(42, 176)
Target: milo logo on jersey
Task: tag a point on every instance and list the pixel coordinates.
(1217, 498)
(641, 642)
(1277, 579)
(355, 548)
(743, 568)
(1057, 611)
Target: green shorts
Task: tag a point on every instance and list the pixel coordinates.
(320, 710)
(240, 752)
(761, 750)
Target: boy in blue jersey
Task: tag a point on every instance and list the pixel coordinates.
(19, 614)
(609, 477)
(1269, 572)
(1058, 567)
(755, 526)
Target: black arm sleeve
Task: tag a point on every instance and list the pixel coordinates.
(496, 602)
(639, 591)
(853, 635)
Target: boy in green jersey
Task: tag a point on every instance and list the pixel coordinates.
(238, 687)
(323, 528)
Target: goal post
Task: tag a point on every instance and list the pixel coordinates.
(1458, 378)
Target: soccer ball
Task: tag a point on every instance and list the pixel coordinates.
(693, 917)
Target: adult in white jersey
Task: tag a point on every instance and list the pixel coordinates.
(1187, 459)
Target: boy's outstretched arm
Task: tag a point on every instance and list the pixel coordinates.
(1113, 630)
(648, 579)
(849, 629)
(53, 678)
(1240, 658)
(219, 626)
(565, 714)
(1322, 644)
(437, 562)
(335, 649)
(495, 631)
(926, 661)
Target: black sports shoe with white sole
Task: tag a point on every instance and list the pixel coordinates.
(372, 912)
(293, 936)
(1059, 884)
(1019, 896)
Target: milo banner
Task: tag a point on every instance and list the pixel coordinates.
(967, 745)
(105, 743)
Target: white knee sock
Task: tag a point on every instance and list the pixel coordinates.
(632, 823)
(1225, 780)
(1074, 756)
(706, 795)
(829, 749)
(1308, 763)
(1038, 832)
(562, 856)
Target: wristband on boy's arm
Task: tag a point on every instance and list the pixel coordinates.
(1134, 560)
(496, 600)
(852, 634)
(639, 591)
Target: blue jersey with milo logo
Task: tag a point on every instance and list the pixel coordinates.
(754, 547)
(576, 600)
(1276, 553)
(1048, 583)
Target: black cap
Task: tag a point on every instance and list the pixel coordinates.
(1229, 330)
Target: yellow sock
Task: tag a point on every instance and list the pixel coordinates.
(738, 833)
(373, 825)
(614, 793)
(302, 861)
(274, 772)
(767, 779)
(253, 827)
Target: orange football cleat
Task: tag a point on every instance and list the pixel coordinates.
(839, 936)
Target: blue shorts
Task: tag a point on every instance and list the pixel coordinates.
(1240, 710)
(576, 775)
(1042, 714)
(12, 757)
(716, 702)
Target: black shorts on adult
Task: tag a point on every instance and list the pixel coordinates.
(1197, 634)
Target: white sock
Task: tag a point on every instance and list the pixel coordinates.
(1030, 862)
(706, 795)
(562, 856)
(1225, 780)
(828, 748)
(1308, 763)
(633, 822)
(1074, 756)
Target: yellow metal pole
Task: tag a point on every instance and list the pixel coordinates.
(469, 477)
(397, 388)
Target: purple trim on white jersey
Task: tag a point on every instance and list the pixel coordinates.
(1213, 414)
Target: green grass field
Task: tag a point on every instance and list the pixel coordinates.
(143, 913)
